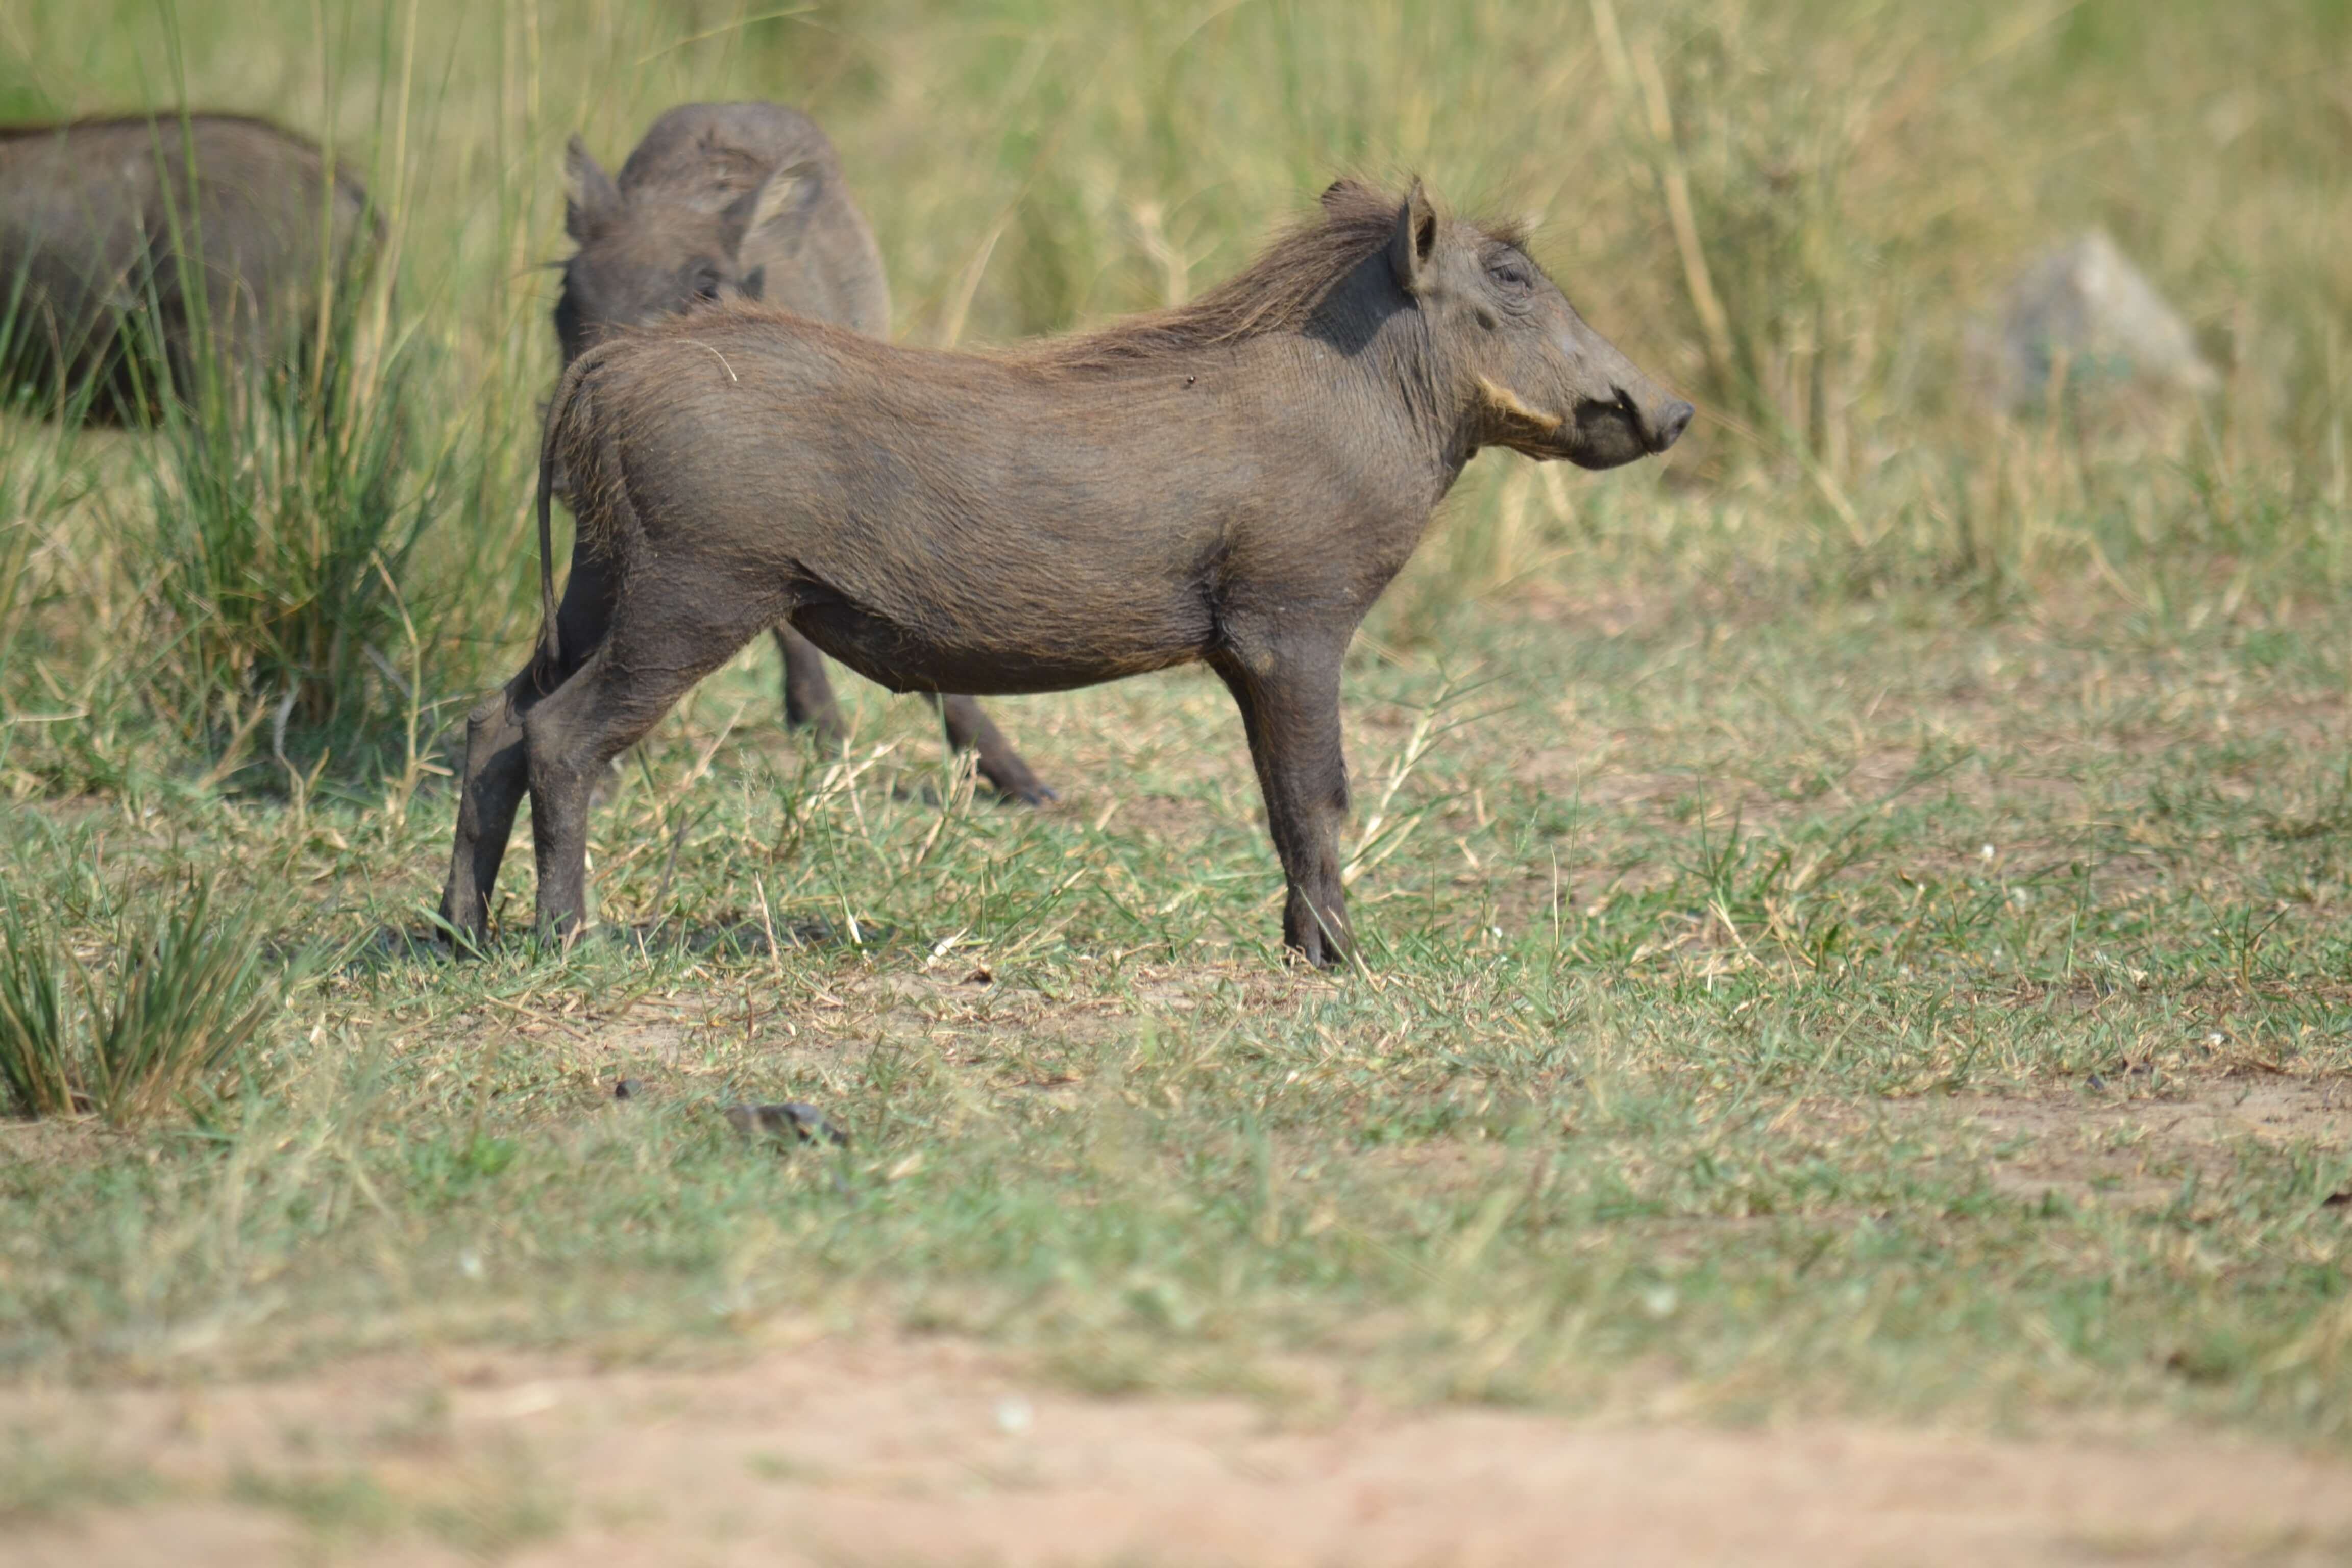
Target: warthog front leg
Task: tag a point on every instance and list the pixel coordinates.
(809, 704)
(1289, 699)
(808, 692)
(969, 728)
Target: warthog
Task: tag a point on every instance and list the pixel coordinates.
(124, 239)
(745, 201)
(1234, 481)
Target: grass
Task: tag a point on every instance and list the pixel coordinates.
(1689, 1069)
(35, 1055)
(194, 988)
(496, 1514)
(1855, 915)
(278, 526)
(42, 1484)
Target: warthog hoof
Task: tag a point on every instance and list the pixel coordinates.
(1032, 792)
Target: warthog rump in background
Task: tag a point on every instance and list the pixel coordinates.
(745, 201)
(1234, 481)
(124, 239)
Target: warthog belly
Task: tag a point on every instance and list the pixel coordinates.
(913, 656)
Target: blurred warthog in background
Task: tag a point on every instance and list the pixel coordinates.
(745, 201)
(138, 254)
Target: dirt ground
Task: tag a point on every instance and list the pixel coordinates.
(931, 1452)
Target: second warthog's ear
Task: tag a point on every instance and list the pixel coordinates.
(590, 199)
(1413, 246)
(775, 209)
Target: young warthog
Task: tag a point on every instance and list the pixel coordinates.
(120, 238)
(745, 201)
(1234, 480)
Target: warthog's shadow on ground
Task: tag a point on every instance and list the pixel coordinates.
(743, 936)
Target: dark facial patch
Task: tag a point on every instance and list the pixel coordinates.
(653, 261)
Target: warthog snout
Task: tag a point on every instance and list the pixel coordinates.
(1542, 381)
(1667, 423)
(1626, 425)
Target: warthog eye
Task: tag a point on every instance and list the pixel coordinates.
(1510, 272)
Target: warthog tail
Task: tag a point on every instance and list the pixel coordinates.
(550, 642)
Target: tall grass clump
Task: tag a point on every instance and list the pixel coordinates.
(192, 987)
(37, 486)
(37, 1060)
(40, 483)
(1795, 213)
(283, 507)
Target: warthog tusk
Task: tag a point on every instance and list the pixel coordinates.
(1505, 402)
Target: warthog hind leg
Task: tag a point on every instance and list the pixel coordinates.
(496, 769)
(490, 789)
(666, 636)
(808, 692)
(1289, 698)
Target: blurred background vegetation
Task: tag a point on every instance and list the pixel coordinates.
(1797, 212)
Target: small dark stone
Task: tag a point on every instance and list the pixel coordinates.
(2338, 1200)
(628, 1088)
(2098, 1082)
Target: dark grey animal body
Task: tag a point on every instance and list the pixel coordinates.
(726, 201)
(119, 238)
(1232, 481)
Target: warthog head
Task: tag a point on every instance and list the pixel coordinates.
(1536, 377)
(642, 258)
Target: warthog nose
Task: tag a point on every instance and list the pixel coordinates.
(1672, 421)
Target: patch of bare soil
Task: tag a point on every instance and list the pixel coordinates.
(899, 1453)
(2128, 1142)
(957, 1008)
(2139, 1151)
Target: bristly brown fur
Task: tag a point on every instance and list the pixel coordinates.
(1276, 292)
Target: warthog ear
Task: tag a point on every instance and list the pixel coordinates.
(1414, 243)
(591, 200)
(776, 206)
